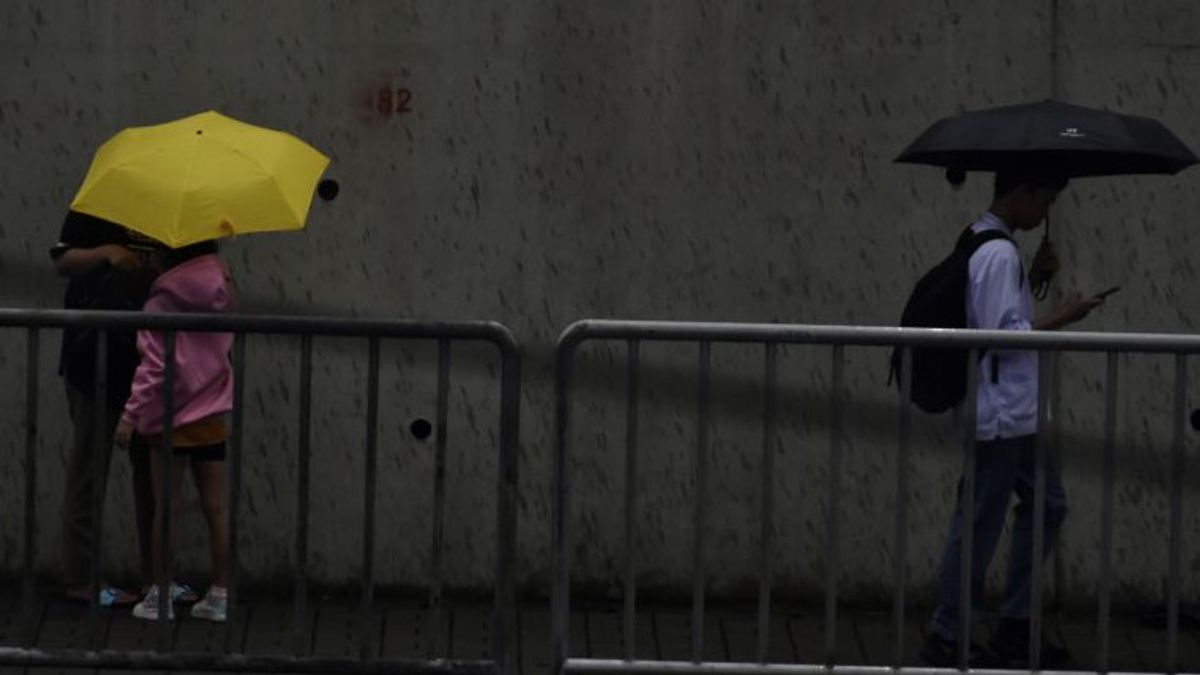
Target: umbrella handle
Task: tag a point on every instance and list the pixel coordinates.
(1042, 288)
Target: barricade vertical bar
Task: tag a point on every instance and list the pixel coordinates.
(167, 627)
(631, 494)
(1178, 467)
(770, 384)
(967, 510)
(32, 358)
(101, 449)
(701, 506)
(369, 479)
(505, 606)
(1055, 455)
(901, 552)
(235, 485)
(561, 601)
(300, 602)
(437, 644)
(831, 525)
(1047, 364)
(1106, 514)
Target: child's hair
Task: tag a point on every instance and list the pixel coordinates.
(170, 257)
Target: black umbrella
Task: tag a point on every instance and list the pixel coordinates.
(1067, 139)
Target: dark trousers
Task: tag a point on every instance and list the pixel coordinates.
(86, 487)
(1003, 468)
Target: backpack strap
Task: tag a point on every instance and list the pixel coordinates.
(970, 241)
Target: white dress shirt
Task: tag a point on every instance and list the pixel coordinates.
(998, 298)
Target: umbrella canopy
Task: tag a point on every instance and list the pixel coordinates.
(201, 177)
(1067, 139)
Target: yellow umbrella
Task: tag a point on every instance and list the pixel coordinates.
(201, 177)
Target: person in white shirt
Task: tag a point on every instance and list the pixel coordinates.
(999, 298)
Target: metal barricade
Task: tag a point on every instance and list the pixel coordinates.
(1047, 344)
(374, 330)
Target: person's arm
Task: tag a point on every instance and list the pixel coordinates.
(997, 296)
(147, 379)
(146, 391)
(73, 261)
(146, 387)
(1067, 312)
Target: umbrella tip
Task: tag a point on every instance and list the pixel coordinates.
(328, 189)
(956, 177)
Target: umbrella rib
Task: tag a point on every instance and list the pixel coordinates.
(191, 170)
(255, 164)
(266, 173)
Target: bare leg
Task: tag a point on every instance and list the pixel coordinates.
(212, 482)
(156, 467)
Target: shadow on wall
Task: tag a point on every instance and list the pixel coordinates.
(1080, 450)
(667, 440)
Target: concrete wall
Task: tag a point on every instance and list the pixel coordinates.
(675, 160)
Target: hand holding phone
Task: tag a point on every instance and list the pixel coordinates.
(1107, 292)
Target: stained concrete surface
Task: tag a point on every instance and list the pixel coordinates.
(535, 162)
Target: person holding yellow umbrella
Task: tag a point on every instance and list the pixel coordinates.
(186, 184)
(107, 271)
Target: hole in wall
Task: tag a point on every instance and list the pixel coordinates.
(420, 428)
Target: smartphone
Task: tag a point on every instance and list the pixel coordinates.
(1107, 292)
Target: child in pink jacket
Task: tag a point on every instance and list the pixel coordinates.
(194, 279)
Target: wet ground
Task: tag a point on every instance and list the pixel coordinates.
(335, 628)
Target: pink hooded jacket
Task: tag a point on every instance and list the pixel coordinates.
(203, 375)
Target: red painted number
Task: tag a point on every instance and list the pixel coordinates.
(390, 101)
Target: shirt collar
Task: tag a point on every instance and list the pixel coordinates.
(991, 221)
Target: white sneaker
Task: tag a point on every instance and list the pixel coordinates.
(212, 606)
(147, 609)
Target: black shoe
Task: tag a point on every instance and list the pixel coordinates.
(942, 653)
(1010, 645)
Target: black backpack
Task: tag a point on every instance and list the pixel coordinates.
(939, 300)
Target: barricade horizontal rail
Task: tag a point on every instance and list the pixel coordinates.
(770, 336)
(263, 323)
(606, 666)
(306, 327)
(608, 329)
(197, 661)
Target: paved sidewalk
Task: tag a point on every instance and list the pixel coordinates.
(398, 630)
